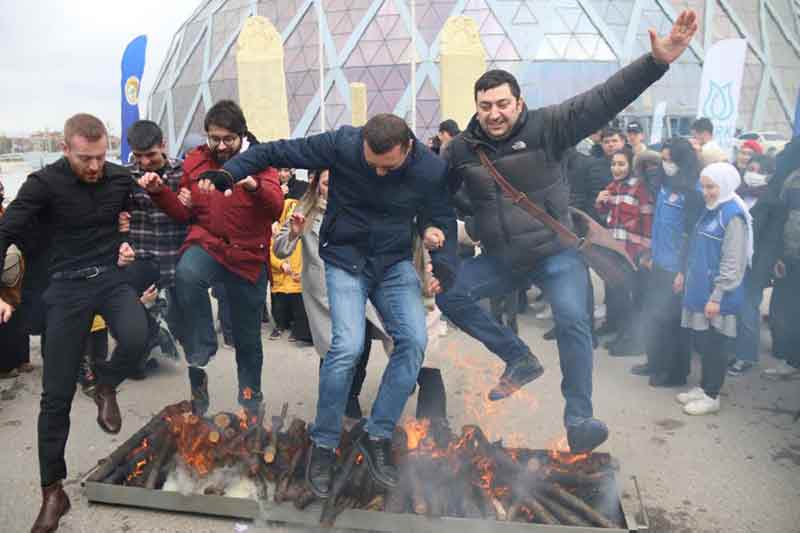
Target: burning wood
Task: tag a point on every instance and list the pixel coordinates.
(440, 473)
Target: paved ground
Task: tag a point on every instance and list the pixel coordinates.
(738, 471)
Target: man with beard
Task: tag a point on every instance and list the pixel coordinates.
(228, 243)
(527, 147)
(81, 197)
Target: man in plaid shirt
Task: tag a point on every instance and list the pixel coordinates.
(155, 236)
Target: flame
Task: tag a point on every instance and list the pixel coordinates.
(143, 446)
(359, 459)
(486, 468)
(247, 393)
(559, 453)
(242, 415)
(138, 470)
(416, 430)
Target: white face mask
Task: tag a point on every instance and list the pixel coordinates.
(670, 168)
(754, 179)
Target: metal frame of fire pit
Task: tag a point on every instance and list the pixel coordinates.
(354, 519)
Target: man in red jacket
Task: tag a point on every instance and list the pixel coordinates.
(228, 243)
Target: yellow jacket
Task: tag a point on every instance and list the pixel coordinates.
(282, 282)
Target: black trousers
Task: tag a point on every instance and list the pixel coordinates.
(15, 346)
(713, 348)
(290, 313)
(666, 342)
(70, 307)
(624, 306)
(784, 308)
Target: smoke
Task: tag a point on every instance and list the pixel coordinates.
(230, 481)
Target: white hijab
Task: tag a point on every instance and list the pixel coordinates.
(728, 180)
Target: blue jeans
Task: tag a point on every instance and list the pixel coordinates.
(398, 299)
(564, 281)
(748, 323)
(195, 273)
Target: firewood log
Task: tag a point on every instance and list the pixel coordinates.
(165, 451)
(110, 463)
(564, 515)
(540, 514)
(579, 506)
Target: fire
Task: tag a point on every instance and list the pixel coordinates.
(138, 471)
(247, 393)
(143, 446)
(559, 453)
(486, 468)
(359, 459)
(242, 415)
(416, 430)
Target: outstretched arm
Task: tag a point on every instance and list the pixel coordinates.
(585, 113)
(317, 151)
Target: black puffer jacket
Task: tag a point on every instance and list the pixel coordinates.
(530, 157)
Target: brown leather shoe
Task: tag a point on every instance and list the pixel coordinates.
(108, 416)
(55, 504)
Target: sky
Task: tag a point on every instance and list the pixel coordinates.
(62, 57)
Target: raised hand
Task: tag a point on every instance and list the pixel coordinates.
(669, 48)
(249, 183)
(185, 197)
(296, 224)
(150, 181)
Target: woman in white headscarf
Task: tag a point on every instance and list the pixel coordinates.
(721, 251)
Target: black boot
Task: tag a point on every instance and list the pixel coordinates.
(380, 462)
(198, 379)
(517, 375)
(353, 409)
(319, 470)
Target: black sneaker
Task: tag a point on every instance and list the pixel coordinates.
(198, 380)
(586, 436)
(516, 375)
(380, 462)
(319, 470)
(276, 334)
(265, 315)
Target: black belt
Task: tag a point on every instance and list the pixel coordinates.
(83, 273)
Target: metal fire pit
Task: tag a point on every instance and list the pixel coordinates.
(630, 507)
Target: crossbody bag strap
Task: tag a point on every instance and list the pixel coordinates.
(564, 234)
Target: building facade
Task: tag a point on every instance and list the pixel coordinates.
(556, 48)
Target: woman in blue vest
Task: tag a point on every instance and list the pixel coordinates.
(722, 248)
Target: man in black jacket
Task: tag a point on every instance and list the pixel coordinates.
(381, 179)
(81, 197)
(527, 148)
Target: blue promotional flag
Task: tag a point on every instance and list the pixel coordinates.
(132, 69)
(797, 116)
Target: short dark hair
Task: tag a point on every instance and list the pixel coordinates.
(226, 114)
(84, 125)
(703, 124)
(385, 131)
(610, 132)
(144, 134)
(450, 127)
(496, 78)
(628, 154)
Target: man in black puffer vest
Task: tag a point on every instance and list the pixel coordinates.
(527, 147)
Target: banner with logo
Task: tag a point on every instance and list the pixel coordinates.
(657, 129)
(720, 87)
(132, 69)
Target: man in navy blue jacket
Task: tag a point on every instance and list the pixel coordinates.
(381, 180)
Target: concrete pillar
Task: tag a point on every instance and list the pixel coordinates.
(262, 82)
(462, 61)
(358, 103)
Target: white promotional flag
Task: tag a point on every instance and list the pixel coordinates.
(720, 88)
(657, 131)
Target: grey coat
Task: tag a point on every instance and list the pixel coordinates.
(315, 292)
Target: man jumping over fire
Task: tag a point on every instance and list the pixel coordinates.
(526, 147)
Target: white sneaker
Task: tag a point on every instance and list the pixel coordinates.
(782, 370)
(690, 396)
(704, 406)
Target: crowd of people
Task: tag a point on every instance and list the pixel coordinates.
(135, 252)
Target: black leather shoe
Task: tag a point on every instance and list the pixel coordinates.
(642, 370)
(517, 375)
(55, 504)
(319, 470)
(108, 416)
(586, 436)
(380, 462)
